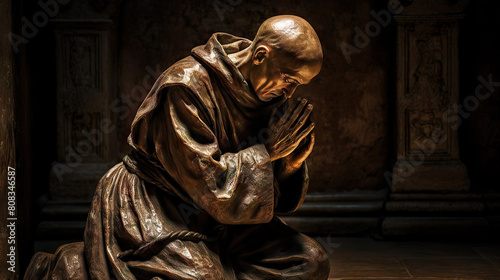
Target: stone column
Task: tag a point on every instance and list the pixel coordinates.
(427, 88)
(428, 179)
(86, 131)
(85, 90)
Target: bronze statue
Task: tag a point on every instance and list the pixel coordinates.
(218, 151)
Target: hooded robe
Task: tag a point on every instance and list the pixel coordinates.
(199, 163)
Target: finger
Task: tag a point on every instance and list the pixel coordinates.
(310, 144)
(305, 132)
(304, 142)
(303, 118)
(297, 111)
(283, 109)
(307, 145)
(280, 114)
(302, 152)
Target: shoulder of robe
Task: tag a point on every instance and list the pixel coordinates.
(187, 78)
(190, 74)
(187, 72)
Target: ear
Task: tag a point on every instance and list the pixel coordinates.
(260, 54)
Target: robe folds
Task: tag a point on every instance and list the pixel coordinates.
(199, 165)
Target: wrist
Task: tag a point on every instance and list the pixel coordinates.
(287, 164)
(272, 154)
(285, 170)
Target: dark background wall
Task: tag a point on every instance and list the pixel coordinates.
(480, 56)
(353, 101)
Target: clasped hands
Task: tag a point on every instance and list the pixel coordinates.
(291, 138)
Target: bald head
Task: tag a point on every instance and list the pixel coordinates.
(285, 54)
(291, 36)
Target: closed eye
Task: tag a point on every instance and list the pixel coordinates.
(288, 80)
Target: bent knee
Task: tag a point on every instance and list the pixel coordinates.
(39, 266)
(68, 262)
(319, 264)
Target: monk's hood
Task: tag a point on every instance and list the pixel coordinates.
(214, 54)
(208, 64)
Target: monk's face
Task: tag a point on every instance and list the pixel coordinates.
(279, 74)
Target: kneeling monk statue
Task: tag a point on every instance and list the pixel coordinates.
(218, 151)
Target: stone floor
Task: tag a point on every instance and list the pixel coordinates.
(365, 258)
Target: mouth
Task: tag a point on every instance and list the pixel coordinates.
(274, 94)
(270, 95)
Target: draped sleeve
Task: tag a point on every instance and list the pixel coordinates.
(233, 188)
(292, 192)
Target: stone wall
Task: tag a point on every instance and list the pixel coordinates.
(479, 134)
